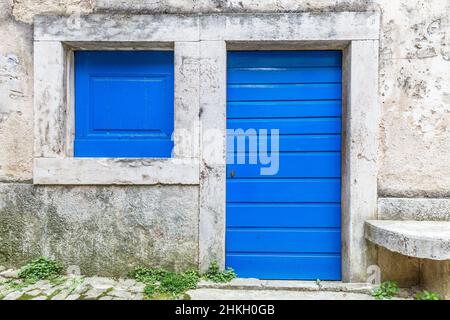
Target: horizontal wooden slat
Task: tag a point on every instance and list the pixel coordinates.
(263, 92)
(285, 267)
(284, 215)
(283, 190)
(283, 240)
(284, 109)
(290, 165)
(126, 148)
(289, 126)
(284, 75)
(284, 59)
(289, 143)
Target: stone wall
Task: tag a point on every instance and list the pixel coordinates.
(159, 223)
(103, 230)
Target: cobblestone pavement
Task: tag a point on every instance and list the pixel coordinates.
(69, 288)
(100, 288)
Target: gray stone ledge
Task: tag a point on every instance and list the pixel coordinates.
(115, 171)
(419, 239)
(325, 26)
(420, 209)
(329, 26)
(117, 27)
(288, 285)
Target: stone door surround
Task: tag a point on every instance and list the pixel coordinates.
(200, 43)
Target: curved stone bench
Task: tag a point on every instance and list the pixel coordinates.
(419, 239)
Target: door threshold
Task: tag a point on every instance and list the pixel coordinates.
(294, 285)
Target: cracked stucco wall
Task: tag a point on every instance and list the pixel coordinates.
(415, 91)
(415, 134)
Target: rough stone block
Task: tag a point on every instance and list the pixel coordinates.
(103, 230)
(419, 239)
(418, 209)
(435, 276)
(397, 267)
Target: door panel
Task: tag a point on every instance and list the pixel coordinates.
(285, 225)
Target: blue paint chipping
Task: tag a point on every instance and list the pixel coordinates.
(124, 103)
(286, 225)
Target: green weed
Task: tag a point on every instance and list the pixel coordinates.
(216, 275)
(427, 295)
(164, 284)
(386, 290)
(40, 269)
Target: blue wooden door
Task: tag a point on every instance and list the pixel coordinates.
(285, 225)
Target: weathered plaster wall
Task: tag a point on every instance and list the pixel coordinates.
(16, 105)
(414, 80)
(25, 10)
(415, 95)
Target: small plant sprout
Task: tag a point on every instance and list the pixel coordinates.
(386, 290)
(216, 275)
(161, 283)
(427, 295)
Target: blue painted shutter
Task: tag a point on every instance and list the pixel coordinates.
(124, 103)
(286, 226)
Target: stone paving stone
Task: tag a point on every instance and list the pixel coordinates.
(34, 292)
(101, 283)
(138, 287)
(81, 288)
(123, 295)
(10, 274)
(13, 295)
(5, 290)
(61, 295)
(41, 285)
(93, 294)
(51, 291)
(73, 288)
(63, 286)
(127, 283)
(139, 296)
